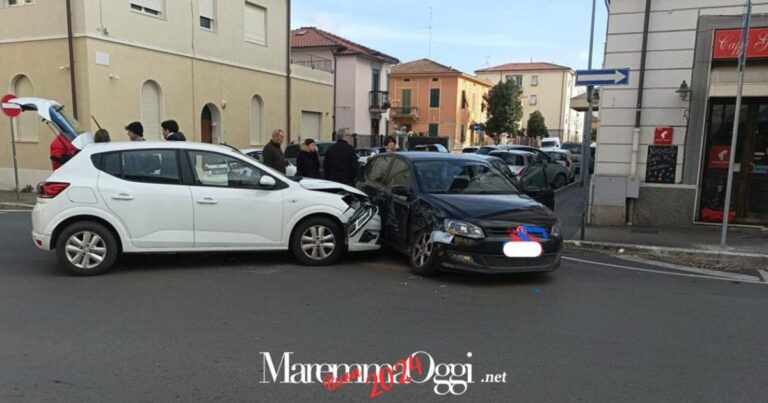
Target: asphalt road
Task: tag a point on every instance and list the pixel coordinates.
(191, 328)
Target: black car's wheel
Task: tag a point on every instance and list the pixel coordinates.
(317, 241)
(423, 254)
(560, 181)
(86, 249)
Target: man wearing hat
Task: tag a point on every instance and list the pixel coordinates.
(135, 131)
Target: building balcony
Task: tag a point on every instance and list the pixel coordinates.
(407, 112)
(314, 62)
(378, 101)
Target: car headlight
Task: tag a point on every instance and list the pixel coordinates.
(463, 229)
(556, 230)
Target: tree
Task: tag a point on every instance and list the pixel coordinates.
(536, 126)
(505, 109)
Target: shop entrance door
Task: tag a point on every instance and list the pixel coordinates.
(749, 199)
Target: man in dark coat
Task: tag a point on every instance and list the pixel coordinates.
(272, 155)
(341, 161)
(171, 131)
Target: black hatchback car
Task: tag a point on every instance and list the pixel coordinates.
(457, 212)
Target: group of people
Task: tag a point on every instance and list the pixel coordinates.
(62, 149)
(340, 163)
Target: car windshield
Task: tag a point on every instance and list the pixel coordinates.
(65, 122)
(462, 177)
(548, 143)
(572, 147)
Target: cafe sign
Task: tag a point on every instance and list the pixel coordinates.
(728, 41)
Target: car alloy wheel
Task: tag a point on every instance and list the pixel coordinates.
(85, 250)
(318, 242)
(422, 250)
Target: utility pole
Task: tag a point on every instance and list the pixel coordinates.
(587, 139)
(737, 115)
(429, 53)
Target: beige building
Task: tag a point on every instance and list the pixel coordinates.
(547, 88)
(219, 68)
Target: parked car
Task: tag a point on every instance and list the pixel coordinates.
(158, 197)
(550, 143)
(457, 211)
(564, 158)
(515, 160)
(256, 153)
(364, 153)
(556, 174)
(434, 148)
(469, 150)
(531, 180)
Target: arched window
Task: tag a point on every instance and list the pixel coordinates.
(151, 109)
(257, 120)
(26, 123)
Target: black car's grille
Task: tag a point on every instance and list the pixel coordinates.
(506, 231)
(503, 262)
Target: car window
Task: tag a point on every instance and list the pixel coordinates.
(151, 166)
(548, 143)
(535, 178)
(462, 177)
(292, 151)
(400, 174)
(377, 171)
(212, 169)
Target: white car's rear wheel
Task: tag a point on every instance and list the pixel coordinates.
(86, 249)
(317, 241)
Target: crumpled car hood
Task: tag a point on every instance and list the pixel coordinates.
(324, 185)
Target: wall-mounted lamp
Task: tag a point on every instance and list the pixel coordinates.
(64, 67)
(684, 91)
(113, 76)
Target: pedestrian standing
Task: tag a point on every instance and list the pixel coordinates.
(101, 136)
(170, 130)
(272, 155)
(390, 144)
(341, 163)
(62, 150)
(135, 131)
(308, 161)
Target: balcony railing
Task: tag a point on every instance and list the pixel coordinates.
(314, 62)
(405, 112)
(378, 101)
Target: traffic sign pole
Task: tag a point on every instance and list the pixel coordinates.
(15, 165)
(585, 147)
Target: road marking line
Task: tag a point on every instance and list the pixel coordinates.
(764, 274)
(618, 266)
(15, 211)
(713, 273)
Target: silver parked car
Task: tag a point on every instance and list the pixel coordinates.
(564, 158)
(556, 174)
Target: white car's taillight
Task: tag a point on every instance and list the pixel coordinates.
(49, 190)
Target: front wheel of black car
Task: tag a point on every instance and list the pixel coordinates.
(423, 255)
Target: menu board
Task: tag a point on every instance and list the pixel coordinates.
(662, 164)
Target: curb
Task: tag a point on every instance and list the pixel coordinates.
(16, 206)
(717, 259)
(568, 186)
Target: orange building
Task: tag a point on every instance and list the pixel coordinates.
(437, 100)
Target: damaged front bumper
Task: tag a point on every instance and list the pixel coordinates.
(364, 228)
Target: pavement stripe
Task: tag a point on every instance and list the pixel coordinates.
(712, 273)
(618, 266)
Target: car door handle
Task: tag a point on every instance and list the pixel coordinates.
(122, 196)
(207, 200)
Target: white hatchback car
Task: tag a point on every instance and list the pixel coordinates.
(153, 197)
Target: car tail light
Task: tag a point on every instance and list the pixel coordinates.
(567, 164)
(49, 190)
(521, 172)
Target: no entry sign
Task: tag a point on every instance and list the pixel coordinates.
(12, 110)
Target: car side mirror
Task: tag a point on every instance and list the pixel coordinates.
(267, 182)
(402, 191)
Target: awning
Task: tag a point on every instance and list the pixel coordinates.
(579, 103)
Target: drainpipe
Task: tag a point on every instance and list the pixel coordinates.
(72, 79)
(335, 85)
(639, 108)
(288, 76)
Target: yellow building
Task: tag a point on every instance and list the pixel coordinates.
(547, 88)
(437, 100)
(219, 68)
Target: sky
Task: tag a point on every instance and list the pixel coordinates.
(467, 35)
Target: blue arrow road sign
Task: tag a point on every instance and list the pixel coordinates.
(602, 77)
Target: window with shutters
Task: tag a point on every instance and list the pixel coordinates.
(434, 98)
(433, 130)
(257, 113)
(155, 8)
(13, 3)
(26, 123)
(208, 15)
(151, 109)
(310, 125)
(533, 100)
(255, 23)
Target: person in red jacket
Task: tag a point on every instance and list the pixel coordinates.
(62, 150)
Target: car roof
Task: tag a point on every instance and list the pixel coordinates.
(559, 151)
(513, 151)
(154, 145)
(432, 156)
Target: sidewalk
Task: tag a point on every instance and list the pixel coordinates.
(8, 200)
(698, 245)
